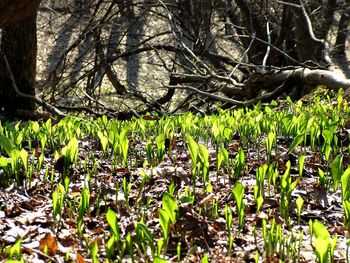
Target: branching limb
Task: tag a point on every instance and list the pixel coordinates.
(197, 60)
(234, 102)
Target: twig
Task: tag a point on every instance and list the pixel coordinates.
(206, 94)
(243, 56)
(268, 46)
(194, 56)
(37, 251)
(275, 48)
(228, 100)
(288, 4)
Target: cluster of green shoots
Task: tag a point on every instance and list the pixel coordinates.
(219, 148)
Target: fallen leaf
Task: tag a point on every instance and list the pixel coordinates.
(80, 258)
(49, 244)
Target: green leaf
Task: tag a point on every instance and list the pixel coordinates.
(3, 162)
(160, 142)
(112, 220)
(205, 259)
(299, 203)
(70, 152)
(345, 184)
(24, 157)
(6, 144)
(238, 192)
(322, 177)
(110, 247)
(204, 154)
(320, 231)
(259, 202)
(239, 164)
(149, 151)
(220, 159)
(142, 229)
(94, 251)
(193, 148)
(329, 132)
(337, 170)
(158, 259)
(270, 140)
(228, 217)
(326, 150)
(103, 140)
(169, 204)
(346, 208)
(297, 140)
(222, 156)
(215, 130)
(16, 249)
(125, 150)
(35, 126)
(321, 247)
(164, 222)
(333, 243)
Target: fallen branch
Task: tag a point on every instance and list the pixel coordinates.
(234, 102)
(306, 77)
(272, 84)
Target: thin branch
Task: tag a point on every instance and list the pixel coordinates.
(239, 103)
(194, 56)
(288, 4)
(37, 251)
(243, 56)
(206, 94)
(275, 48)
(268, 46)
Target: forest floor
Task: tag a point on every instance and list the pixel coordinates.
(264, 184)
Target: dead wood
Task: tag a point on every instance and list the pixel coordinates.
(310, 78)
(264, 86)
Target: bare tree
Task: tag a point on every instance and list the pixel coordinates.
(235, 51)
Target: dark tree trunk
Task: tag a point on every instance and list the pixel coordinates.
(328, 17)
(339, 52)
(13, 11)
(19, 44)
(342, 31)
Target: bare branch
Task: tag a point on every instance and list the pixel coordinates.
(269, 45)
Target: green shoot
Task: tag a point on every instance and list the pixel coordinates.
(238, 192)
(299, 204)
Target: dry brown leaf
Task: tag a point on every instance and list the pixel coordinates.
(80, 258)
(49, 244)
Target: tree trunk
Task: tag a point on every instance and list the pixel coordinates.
(13, 11)
(343, 30)
(310, 47)
(19, 44)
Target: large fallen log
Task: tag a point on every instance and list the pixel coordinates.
(307, 77)
(304, 78)
(263, 86)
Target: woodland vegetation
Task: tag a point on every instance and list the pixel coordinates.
(174, 131)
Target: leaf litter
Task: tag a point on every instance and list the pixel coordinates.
(134, 190)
